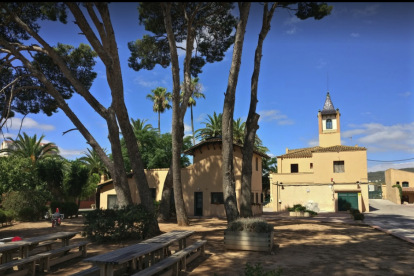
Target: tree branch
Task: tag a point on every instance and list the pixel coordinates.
(69, 130)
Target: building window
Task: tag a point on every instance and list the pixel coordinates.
(328, 124)
(257, 164)
(339, 166)
(294, 168)
(252, 198)
(311, 166)
(112, 202)
(217, 198)
(153, 193)
(405, 184)
(261, 197)
(257, 197)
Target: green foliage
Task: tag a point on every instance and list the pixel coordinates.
(156, 150)
(69, 209)
(398, 186)
(195, 88)
(127, 222)
(353, 211)
(17, 173)
(213, 26)
(161, 99)
(268, 165)
(359, 216)
(140, 125)
(76, 179)
(6, 216)
(255, 225)
(258, 270)
(51, 172)
(94, 162)
(15, 202)
(28, 214)
(312, 213)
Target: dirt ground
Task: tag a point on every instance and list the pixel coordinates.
(301, 248)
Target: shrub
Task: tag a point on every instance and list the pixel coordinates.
(312, 213)
(298, 208)
(3, 217)
(28, 214)
(291, 209)
(15, 202)
(255, 225)
(127, 222)
(258, 270)
(54, 205)
(359, 216)
(353, 211)
(10, 216)
(69, 209)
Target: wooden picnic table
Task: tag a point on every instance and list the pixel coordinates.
(109, 261)
(25, 245)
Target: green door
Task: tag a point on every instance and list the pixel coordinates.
(347, 199)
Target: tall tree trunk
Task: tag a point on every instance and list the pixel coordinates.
(159, 124)
(192, 124)
(178, 111)
(165, 206)
(229, 189)
(253, 119)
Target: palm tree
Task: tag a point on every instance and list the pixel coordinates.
(212, 129)
(140, 125)
(95, 163)
(26, 146)
(195, 88)
(238, 131)
(161, 99)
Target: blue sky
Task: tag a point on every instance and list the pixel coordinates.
(367, 48)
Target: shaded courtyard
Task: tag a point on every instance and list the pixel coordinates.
(301, 248)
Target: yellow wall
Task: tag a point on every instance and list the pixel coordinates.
(321, 189)
(205, 176)
(392, 176)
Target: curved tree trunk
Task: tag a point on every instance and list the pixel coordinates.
(253, 119)
(229, 189)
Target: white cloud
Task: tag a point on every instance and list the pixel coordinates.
(368, 11)
(291, 20)
(149, 83)
(271, 155)
(275, 115)
(406, 94)
(201, 117)
(313, 142)
(292, 30)
(386, 166)
(70, 153)
(28, 123)
(187, 130)
(377, 137)
(355, 35)
(321, 63)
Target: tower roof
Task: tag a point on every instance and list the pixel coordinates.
(328, 107)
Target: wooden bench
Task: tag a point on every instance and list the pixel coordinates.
(56, 254)
(94, 270)
(47, 245)
(172, 263)
(30, 262)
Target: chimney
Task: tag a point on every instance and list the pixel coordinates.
(103, 178)
(287, 150)
(356, 145)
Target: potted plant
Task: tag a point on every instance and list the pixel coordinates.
(253, 234)
(292, 211)
(310, 213)
(300, 210)
(359, 218)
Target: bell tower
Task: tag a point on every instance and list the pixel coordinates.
(329, 126)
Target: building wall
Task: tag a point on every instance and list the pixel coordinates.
(392, 176)
(316, 186)
(205, 175)
(303, 164)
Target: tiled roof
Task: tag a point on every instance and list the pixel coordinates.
(408, 189)
(191, 150)
(307, 152)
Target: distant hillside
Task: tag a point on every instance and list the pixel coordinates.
(380, 175)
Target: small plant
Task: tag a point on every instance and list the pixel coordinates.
(256, 225)
(359, 216)
(258, 270)
(312, 213)
(291, 209)
(353, 211)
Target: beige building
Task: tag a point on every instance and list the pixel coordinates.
(6, 145)
(329, 177)
(403, 178)
(202, 181)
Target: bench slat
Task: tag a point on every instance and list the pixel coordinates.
(90, 271)
(63, 249)
(19, 262)
(171, 260)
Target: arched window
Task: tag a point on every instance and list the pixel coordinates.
(405, 184)
(328, 124)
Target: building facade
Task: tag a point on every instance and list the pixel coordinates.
(405, 180)
(330, 177)
(201, 182)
